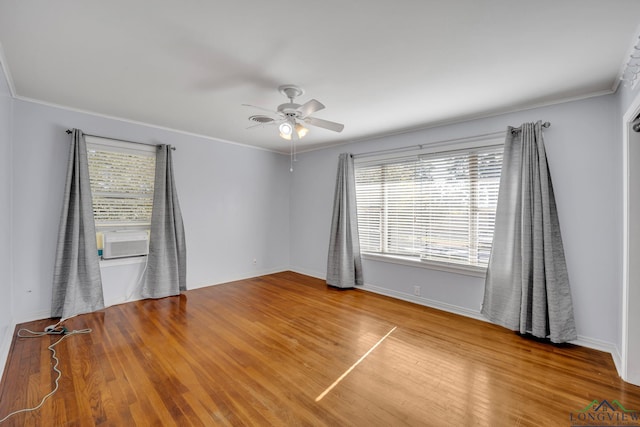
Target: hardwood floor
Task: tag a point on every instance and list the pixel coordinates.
(266, 351)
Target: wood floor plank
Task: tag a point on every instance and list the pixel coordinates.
(268, 350)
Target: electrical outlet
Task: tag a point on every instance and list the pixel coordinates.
(416, 291)
(255, 261)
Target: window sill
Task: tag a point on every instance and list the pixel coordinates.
(123, 261)
(467, 270)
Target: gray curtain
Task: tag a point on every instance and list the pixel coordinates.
(77, 284)
(166, 273)
(527, 285)
(344, 266)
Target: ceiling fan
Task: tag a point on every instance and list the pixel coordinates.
(291, 116)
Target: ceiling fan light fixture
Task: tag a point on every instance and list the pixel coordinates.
(286, 130)
(301, 131)
(285, 136)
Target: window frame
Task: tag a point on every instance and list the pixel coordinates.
(427, 149)
(107, 144)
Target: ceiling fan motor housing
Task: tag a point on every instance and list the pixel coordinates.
(289, 109)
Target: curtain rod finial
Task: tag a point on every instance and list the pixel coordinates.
(68, 131)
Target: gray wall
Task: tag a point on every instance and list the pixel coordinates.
(234, 200)
(585, 161)
(6, 291)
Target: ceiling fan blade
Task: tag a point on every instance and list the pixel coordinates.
(263, 109)
(257, 125)
(326, 124)
(310, 107)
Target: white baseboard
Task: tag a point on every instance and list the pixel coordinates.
(7, 340)
(238, 277)
(603, 346)
(306, 272)
(617, 361)
(596, 344)
(403, 296)
(462, 311)
(46, 314)
(30, 317)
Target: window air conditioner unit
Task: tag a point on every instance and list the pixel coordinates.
(120, 244)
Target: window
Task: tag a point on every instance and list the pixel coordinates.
(436, 207)
(122, 177)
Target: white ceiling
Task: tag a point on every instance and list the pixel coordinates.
(379, 66)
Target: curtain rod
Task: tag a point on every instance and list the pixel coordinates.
(544, 125)
(121, 140)
(446, 141)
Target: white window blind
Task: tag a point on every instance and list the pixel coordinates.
(122, 180)
(437, 207)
